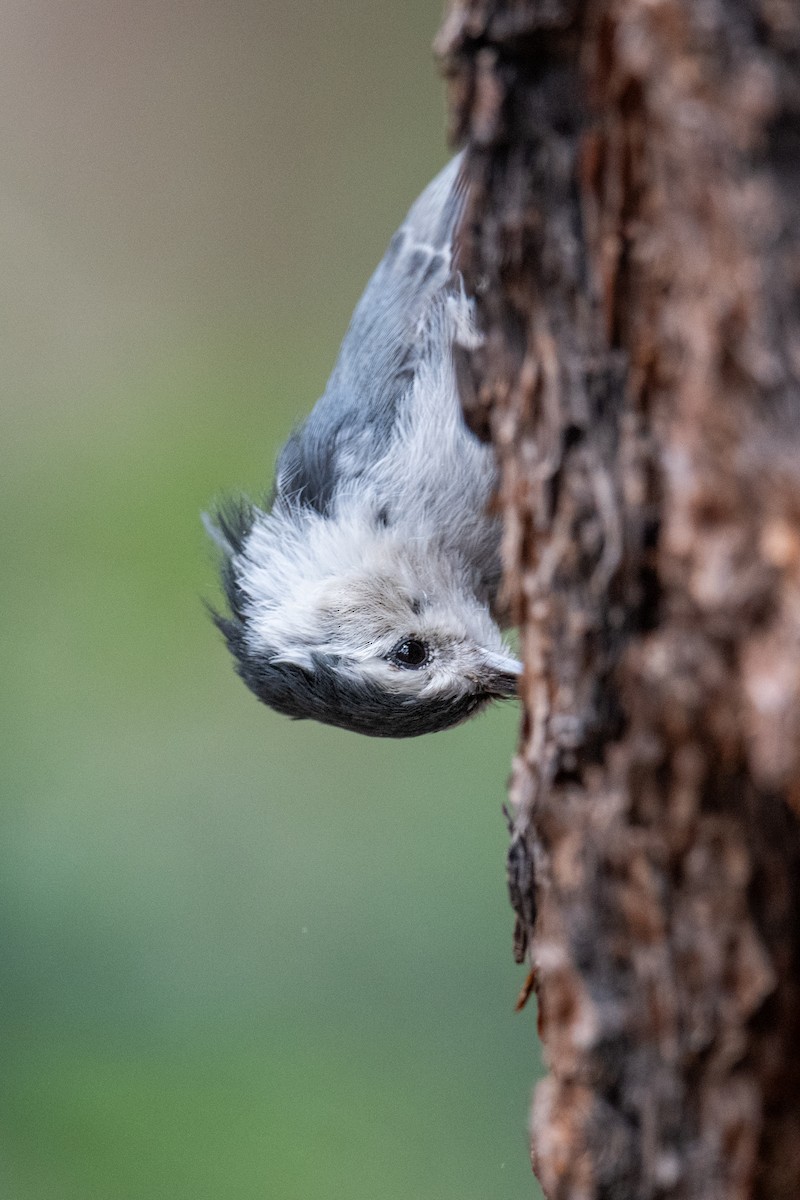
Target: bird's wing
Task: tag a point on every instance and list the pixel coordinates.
(353, 420)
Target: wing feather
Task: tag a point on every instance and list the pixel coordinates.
(380, 352)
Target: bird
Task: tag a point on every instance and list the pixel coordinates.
(364, 594)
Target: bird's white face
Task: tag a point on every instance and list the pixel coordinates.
(416, 642)
(366, 627)
(403, 635)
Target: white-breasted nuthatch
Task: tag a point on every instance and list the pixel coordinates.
(365, 594)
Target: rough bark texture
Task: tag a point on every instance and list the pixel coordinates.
(634, 237)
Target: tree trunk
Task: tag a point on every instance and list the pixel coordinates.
(633, 237)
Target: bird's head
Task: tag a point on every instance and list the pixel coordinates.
(359, 627)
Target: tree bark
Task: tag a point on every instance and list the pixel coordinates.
(633, 236)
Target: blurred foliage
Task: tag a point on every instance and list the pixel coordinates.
(243, 957)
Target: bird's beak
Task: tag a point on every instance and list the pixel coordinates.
(502, 673)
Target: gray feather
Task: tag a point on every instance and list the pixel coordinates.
(380, 538)
(353, 421)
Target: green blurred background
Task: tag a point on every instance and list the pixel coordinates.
(241, 957)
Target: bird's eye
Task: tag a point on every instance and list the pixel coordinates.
(410, 653)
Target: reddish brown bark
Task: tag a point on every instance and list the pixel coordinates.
(634, 237)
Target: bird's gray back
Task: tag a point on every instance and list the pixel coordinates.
(353, 421)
